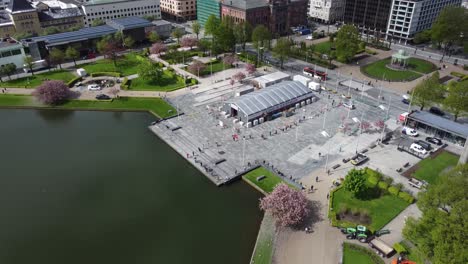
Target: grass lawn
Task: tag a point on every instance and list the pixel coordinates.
(268, 183)
(126, 65)
(169, 82)
(217, 67)
(378, 69)
(37, 79)
(263, 252)
(381, 210)
(354, 256)
(323, 47)
(156, 105)
(421, 66)
(429, 169)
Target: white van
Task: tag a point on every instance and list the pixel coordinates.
(94, 87)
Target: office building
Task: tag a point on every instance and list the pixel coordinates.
(112, 9)
(326, 11)
(205, 8)
(408, 17)
(277, 15)
(370, 16)
(11, 52)
(179, 10)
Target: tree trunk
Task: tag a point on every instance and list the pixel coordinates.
(455, 116)
(74, 61)
(32, 72)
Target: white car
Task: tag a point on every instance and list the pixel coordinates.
(94, 87)
(410, 132)
(417, 148)
(309, 37)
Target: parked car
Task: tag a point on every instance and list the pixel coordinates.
(436, 111)
(405, 101)
(434, 140)
(349, 105)
(417, 148)
(424, 144)
(94, 87)
(410, 132)
(103, 97)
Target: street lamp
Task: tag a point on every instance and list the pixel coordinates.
(360, 129)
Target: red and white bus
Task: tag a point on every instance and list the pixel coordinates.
(314, 73)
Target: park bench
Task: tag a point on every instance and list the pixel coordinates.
(219, 161)
(336, 166)
(261, 177)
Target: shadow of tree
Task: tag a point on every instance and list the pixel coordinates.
(312, 218)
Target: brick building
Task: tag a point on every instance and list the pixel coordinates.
(179, 10)
(277, 15)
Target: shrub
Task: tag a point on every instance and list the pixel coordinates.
(125, 84)
(399, 248)
(383, 185)
(388, 180)
(344, 209)
(465, 67)
(464, 78)
(112, 74)
(457, 74)
(393, 190)
(193, 81)
(73, 81)
(406, 196)
(375, 258)
(399, 186)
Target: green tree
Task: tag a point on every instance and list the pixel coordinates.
(72, 54)
(97, 22)
(211, 25)
(449, 25)
(457, 98)
(22, 35)
(428, 91)
(225, 38)
(261, 36)
(196, 28)
(150, 71)
(347, 43)
(355, 182)
(441, 231)
(57, 56)
(50, 30)
(128, 42)
(153, 37)
(109, 46)
(29, 62)
(422, 37)
(282, 50)
(8, 70)
(243, 33)
(177, 33)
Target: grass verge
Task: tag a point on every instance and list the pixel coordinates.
(37, 79)
(379, 70)
(267, 184)
(263, 252)
(157, 106)
(126, 65)
(168, 82)
(354, 254)
(430, 168)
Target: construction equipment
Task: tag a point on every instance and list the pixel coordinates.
(359, 233)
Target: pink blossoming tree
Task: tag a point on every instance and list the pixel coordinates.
(229, 59)
(238, 76)
(250, 69)
(52, 92)
(189, 42)
(288, 206)
(196, 67)
(157, 48)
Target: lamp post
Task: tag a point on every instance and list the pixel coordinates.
(360, 131)
(386, 117)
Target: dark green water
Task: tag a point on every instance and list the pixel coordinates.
(93, 187)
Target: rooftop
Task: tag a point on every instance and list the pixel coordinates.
(129, 23)
(265, 98)
(440, 123)
(271, 77)
(19, 6)
(104, 2)
(161, 22)
(73, 36)
(59, 13)
(245, 4)
(6, 42)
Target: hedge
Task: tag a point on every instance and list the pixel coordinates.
(331, 213)
(375, 258)
(406, 196)
(125, 83)
(112, 74)
(399, 248)
(464, 78)
(73, 81)
(383, 185)
(393, 190)
(457, 74)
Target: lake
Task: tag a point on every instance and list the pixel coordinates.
(100, 187)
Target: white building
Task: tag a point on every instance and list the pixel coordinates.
(4, 4)
(327, 11)
(112, 9)
(11, 52)
(408, 17)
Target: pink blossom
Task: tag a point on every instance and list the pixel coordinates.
(52, 92)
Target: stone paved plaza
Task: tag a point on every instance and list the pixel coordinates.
(294, 145)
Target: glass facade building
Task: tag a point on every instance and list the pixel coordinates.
(205, 8)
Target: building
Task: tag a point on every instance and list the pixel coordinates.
(85, 39)
(205, 8)
(113, 9)
(11, 52)
(270, 79)
(263, 105)
(277, 15)
(162, 27)
(32, 18)
(4, 4)
(438, 126)
(326, 11)
(408, 17)
(179, 10)
(370, 16)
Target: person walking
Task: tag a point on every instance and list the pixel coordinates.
(316, 179)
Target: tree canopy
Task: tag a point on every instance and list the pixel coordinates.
(282, 50)
(288, 206)
(52, 92)
(150, 71)
(196, 28)
(347, 43)
(72, 54)
(441, 231)
(457, 98)
(243, 33)
(261, 36)
(57, 56)
(211, 25)
(428, 91)
(449, 25)
(355, 182)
